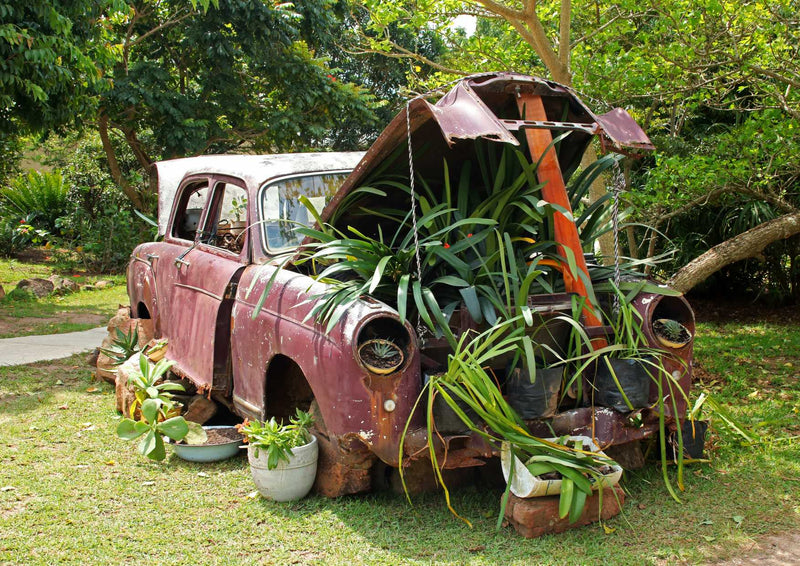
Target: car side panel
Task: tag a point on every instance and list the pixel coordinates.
(351, 399)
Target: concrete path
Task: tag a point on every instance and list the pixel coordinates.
(29, 349)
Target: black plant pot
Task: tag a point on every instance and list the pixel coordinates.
(537, 399)
(634, 376)
(445, 419)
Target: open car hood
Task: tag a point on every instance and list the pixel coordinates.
(485, 107)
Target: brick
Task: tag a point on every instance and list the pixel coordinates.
(538, 516)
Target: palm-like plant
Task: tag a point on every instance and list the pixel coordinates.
(123, 346)
(467, 382)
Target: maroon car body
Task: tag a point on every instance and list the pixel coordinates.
(201, 284)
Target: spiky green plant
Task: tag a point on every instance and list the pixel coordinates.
(123, 346)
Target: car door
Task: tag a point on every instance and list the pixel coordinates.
(198, 277)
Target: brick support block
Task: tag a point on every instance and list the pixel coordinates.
(538, 516)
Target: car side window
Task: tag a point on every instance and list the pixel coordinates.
(282, 211)
(226, 224)
(190, 210)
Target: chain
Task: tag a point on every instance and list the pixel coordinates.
(618, 185)
(420, 329)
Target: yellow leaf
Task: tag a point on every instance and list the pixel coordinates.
(608, 530)
(417, 68)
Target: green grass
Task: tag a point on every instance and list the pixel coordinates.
(23, 315)
(72, 493)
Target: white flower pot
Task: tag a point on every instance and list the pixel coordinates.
(288, 481)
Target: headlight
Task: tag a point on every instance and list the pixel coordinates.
(382, 345)
(672, 322)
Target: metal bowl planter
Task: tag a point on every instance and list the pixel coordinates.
(288, 481)
(671, 333)
(381, 365)
(209, 452)
(526, 485)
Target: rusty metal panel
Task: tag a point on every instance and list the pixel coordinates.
(622, 131)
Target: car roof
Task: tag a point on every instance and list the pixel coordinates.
(254, 170)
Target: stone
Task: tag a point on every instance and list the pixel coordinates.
(106, 370)
(538, 516)
(38, 287)
(104, 284)
(91, 359)
(122, 316)
(124, 393)
(70, 285)
(200, 410)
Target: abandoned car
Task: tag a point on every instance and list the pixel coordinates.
(267, 318)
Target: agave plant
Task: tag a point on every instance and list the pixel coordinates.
(123, 346)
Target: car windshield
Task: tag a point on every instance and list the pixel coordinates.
(282, 212)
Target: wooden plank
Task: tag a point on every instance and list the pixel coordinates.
(555, 191)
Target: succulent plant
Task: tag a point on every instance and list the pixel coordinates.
(672, 330)
(385, 349)
(123, 346)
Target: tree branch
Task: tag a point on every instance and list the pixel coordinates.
(745, 245)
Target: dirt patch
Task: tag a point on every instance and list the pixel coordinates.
(26, 325)
(775, 550)
(722, 311)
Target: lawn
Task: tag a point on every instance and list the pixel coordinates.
(72, 493)
(22, 316)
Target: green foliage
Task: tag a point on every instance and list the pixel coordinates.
(247, 72)
(50, 61)
(152, 430)
(467, 381)
(39, 197)
(157, 410)
(123, 346)
(276, 439)
(146, 387)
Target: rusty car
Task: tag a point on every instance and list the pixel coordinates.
(226, 221)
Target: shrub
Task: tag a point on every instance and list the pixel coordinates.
(42, 197)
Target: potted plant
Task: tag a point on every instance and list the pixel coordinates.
(239, 211)
(283, 457)
(671, 333)
(381, 356)
(626, 368)
(537, 477)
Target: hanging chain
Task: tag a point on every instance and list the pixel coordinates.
(420, 328)
(617, 186)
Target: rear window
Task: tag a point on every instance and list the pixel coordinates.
(282, 212)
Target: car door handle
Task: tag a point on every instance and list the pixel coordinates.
(180, 261)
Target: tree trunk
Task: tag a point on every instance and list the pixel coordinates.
(745, 245)
(113, 164)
